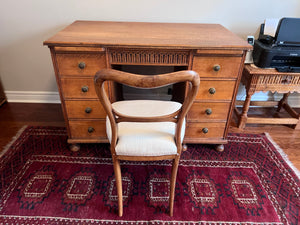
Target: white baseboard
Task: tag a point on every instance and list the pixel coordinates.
(32, 96)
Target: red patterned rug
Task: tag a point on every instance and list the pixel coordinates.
(42, 182)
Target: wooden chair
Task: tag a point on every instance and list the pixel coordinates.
(146, 130)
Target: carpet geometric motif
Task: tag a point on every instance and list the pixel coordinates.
(37, 187)
(159, 189)
(79, 188)
(156, 190)
(42, 182)
(245, 194)
(203, 191)
(110, 197)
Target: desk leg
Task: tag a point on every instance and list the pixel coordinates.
(283, 104)
(243, 117)
(283, 101)
(74, 147)
(297, 126)
(219, 148)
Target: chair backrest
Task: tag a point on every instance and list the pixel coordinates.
(147, 82)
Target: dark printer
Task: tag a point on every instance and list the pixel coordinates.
(281, 51)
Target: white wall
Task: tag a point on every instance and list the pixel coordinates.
(25, 64)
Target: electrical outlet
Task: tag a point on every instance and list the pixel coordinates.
(250, 40)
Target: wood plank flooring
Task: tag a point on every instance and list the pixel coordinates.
(13, 116)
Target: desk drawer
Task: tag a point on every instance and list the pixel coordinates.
(205, 130)
(83, 64)
(79, 88)
(217, 66)
(88, 109)
(88, 129)
(215, 90)
(208, 110)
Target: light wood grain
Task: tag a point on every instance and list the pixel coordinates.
(165, 35)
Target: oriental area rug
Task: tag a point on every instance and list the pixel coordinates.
(43, 182)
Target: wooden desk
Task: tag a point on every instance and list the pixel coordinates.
(257, 79)
(85, 47)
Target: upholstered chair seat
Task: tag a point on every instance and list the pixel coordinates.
(144, 138)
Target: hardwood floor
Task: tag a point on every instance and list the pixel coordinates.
(287, 138)
(13, 116)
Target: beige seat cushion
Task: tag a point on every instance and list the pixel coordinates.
(146, 108)
(145, 139)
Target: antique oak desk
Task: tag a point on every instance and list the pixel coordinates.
(84, 47)
(257, 79)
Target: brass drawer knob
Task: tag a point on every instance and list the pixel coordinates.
(217, 67)
(212, 91)
(88, 110)
(208, 111)
(91, 129)
(85, 89)
(205, 130)
(81, 65)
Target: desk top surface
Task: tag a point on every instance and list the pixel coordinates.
(141, 34)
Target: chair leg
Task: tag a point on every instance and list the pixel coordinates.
(118, 176)
(173, 183)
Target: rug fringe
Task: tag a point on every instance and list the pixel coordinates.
(283, 154)
(6, 147)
